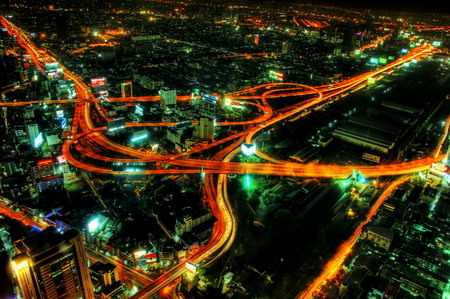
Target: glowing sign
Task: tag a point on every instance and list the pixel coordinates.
(248, 149)
(276, 75)
(21, 265)
(51, 65)
(61, 159)
(237, 105)
(436, 44)
(150, 255)
(139, 254)
(103, 93)
(52, 74)
(95, 82)
(59, 113)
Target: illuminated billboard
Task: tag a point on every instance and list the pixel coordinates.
(61, 159)
(103, 93)
(139, 254)
(59, 113)
(51, 74)
(51, 65)
(276, 75)
(95, 82)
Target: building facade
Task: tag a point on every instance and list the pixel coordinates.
(52, 265)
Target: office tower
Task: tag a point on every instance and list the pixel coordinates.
(205, 128)
(52, 265)
(168, 97)
(126, 89)
(36, 137)
(106, 281)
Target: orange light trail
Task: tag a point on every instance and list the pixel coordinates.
(332, 267)
(87, 139)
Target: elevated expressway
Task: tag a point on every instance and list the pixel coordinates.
(84, 133)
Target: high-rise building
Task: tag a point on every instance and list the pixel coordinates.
(126, 89)
(36, 136)
(168, 97)
(106, 280)
(205, 128)
(52, 265)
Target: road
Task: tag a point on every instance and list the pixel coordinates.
(12, 211)
(332, 267)
(89, 140)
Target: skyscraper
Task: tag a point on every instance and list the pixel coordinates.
(52, 265)
(205, 128)
(168, 97)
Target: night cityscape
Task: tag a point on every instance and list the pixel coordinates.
(224, 149)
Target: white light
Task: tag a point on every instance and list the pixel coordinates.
(139, 138)
(191, 267)
(248, 149)
(93, 225)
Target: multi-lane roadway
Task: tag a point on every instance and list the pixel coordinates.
(85, 133)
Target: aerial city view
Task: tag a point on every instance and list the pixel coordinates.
(224, 149)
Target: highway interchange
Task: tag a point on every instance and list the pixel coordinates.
(215, 190)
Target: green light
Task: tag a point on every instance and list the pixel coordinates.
(446, 294)
(248, 182)
(134, 290)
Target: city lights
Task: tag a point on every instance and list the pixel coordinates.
(276, 75)
(248, 149)
(93, 225)
(149, 141)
